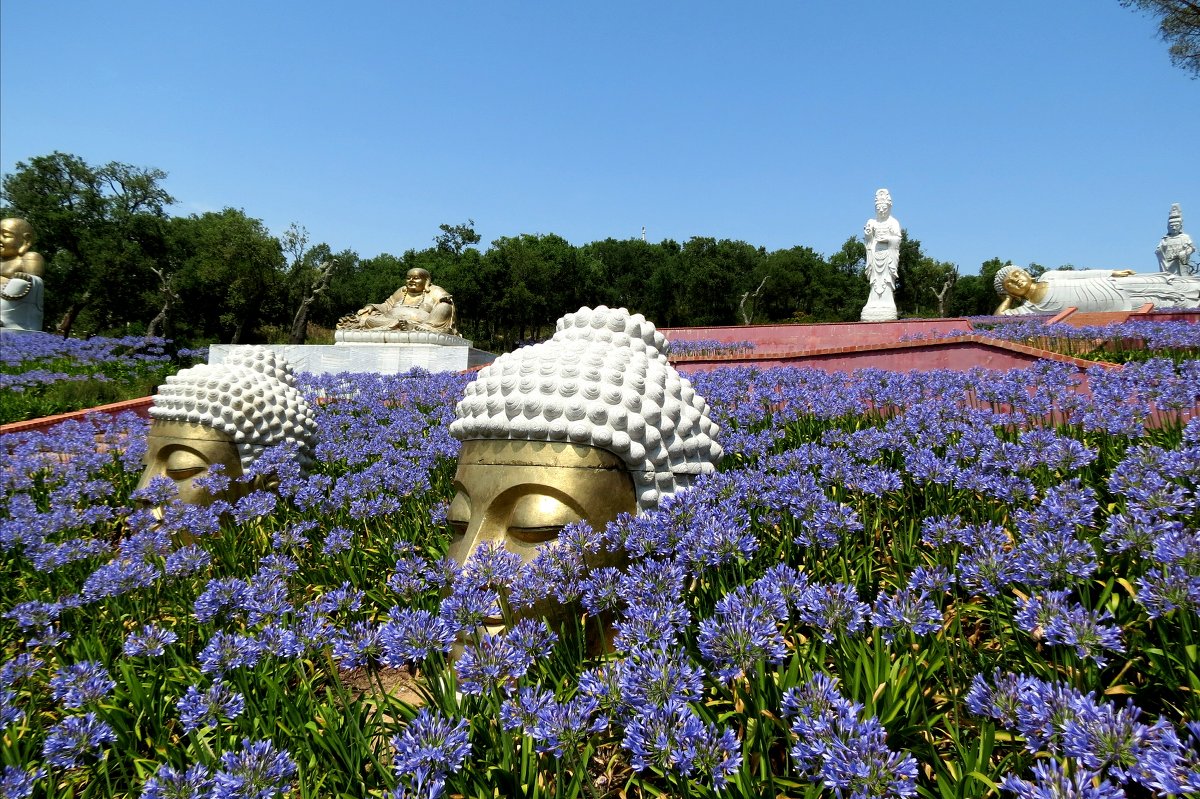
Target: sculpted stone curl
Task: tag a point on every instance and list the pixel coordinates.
(601, 381)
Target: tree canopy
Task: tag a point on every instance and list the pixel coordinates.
(1178, 26)
(117, 262)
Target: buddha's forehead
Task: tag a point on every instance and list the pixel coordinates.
(511, 452)
(186, 431)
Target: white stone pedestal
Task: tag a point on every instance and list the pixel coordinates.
(390, 357)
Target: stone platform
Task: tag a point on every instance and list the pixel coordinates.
(384, 353)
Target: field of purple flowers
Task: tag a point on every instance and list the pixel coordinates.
(42, 374)
(1120, 342)
(896, 585)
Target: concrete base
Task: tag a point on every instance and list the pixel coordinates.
(384, 359)
(342, 337)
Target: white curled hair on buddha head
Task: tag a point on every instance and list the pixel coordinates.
(252, 398)
(602, 380)
(1002, 274)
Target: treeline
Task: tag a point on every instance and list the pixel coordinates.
(118, 262)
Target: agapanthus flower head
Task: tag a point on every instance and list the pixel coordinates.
(744, 632)
(833, 609)
(117, 577)
(338, 539)
(651, 625)
(75, 738)
(555, 727)
(358, 645)
(34, 613)
(207, 708)
(258, 771)
(490, 566)
(531, 638)
(431, 747)
(344, 599)
(186, 561)
(168, 783)
(906, 612)
(1059, 621)
(600, 591)
(1172, 765)
(1163, 590)
(224, 597)
(18, 783)
(278, 640)
(82, 683)
(9, 712)
(1003, 697)
(1111, 740)
(19, 669)
(934, 580)
(840, 747)
(158, 491)
(467, 607)
(411, 636)
(227, 651)
(150, 641)
(1052, 781)
(490, 664)
(655, 678)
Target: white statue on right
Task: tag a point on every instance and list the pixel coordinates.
(1176, 248)
(882, 236)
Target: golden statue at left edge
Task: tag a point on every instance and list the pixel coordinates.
(21, 273)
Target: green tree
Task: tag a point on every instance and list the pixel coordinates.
(1178, 26)
(794, 283)
(925, 283)
(714, 274)
(102, 230)
(454, 239)
(231, 269)
(848, 283)
(537, 278)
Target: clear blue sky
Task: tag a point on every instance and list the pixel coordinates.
(1053, 131)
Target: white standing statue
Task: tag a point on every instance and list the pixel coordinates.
(882, 235)
(1175, 250)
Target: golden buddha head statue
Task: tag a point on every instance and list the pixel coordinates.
(16, 237)
(585, 426)
(416, 280)
(225, 414)
(1013, 281)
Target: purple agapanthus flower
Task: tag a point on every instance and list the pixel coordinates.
(80, 684)
(430, 748)
(75, 738)
(150, 641)
(258, 771)
(207, 708)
